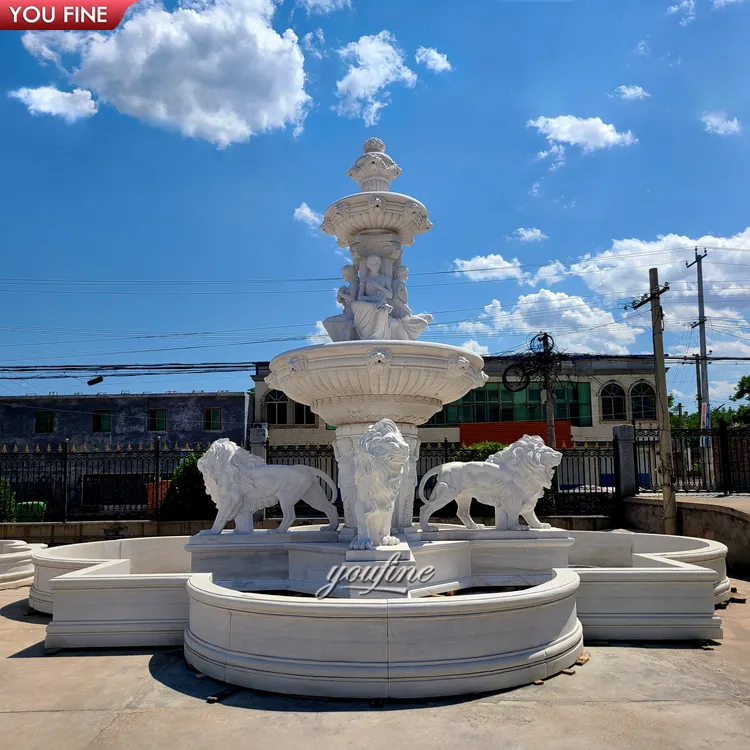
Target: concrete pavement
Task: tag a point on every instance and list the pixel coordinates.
(663, 697)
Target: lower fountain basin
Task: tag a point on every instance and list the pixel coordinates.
(380, 648)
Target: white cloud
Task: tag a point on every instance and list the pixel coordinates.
(320, 336)
(716, 4)
(485, 267)
(643, 48)
(211, 69)
(313, 42)
(375, 62)
(685, 9)
(530, 235)
(307, 216)
(552, 273)
(535, 190)
(434, 60)
(474, 346)
(719, 124)
(47, 100)
(576, 325)
(323, 6)
(623, 269)
(630, 92)
(591, 134)
(557, 152)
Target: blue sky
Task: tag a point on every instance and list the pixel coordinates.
(565, 146)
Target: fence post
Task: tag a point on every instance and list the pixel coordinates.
(157, 471)
(65, 480)
(445, 449)
(725, 461)
(626, 467)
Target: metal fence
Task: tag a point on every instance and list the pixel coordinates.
(704, 460)
(67, 482)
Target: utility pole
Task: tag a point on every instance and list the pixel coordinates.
(680, 421)
(704, 406)
(549, 392)
(662, 398)
(698, 388)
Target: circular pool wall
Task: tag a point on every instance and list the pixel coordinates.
(379, 648)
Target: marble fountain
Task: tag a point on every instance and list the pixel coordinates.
(361, 608)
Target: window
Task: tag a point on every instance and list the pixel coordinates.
(303, 415)
(277, 407)
(102, 420)
(157, 420)
(613, 403)
(492, 403)
(643, 401)
(212, 419)
(45, 421)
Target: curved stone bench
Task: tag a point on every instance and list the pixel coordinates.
(637, 586)
(147, 555)
(377, 648)
(16, 564)
(707, 553)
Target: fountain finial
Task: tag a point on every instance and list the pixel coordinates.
(373, 145)
(374, 170)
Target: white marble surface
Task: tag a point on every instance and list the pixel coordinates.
(16, 565)
(374, 648)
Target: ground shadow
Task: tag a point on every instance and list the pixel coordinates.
(20, 612)
(172, 671)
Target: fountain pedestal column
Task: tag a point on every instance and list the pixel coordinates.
(343, 446)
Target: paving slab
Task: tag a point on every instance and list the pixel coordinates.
(629, 697)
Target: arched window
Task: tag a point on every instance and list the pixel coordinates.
(277, 407)
(643, 401)
(303, 415)
(613, 403)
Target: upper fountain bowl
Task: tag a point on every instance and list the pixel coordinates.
(383, 211)
(355, 382)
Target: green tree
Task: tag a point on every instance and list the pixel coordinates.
(7, 502)
(186, 498)
(475, 452)
(742, 391)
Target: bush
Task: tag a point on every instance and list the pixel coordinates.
(7, 502)
(476, 452)
(186, 498)
(30, 512)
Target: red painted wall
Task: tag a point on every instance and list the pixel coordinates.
(507, 432)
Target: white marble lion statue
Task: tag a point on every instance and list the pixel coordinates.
(240, 484)
(380, 459)
(512, 480)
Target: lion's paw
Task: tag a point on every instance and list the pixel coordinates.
(429, 527)
(389, 541)
(361, 544)
(545, 525)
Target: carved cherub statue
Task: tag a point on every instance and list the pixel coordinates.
(371, 310)
(375, 287)
(347, 294)
(400, 301)
(341, 327)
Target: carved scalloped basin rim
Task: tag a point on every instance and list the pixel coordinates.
(360, 381)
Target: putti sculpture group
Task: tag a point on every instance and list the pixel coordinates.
(378, 457)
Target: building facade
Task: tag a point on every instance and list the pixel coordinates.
(593, 394)
(101, 420)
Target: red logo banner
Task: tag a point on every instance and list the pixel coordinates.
(62, 15)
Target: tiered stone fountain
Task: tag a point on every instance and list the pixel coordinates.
(313, 610)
